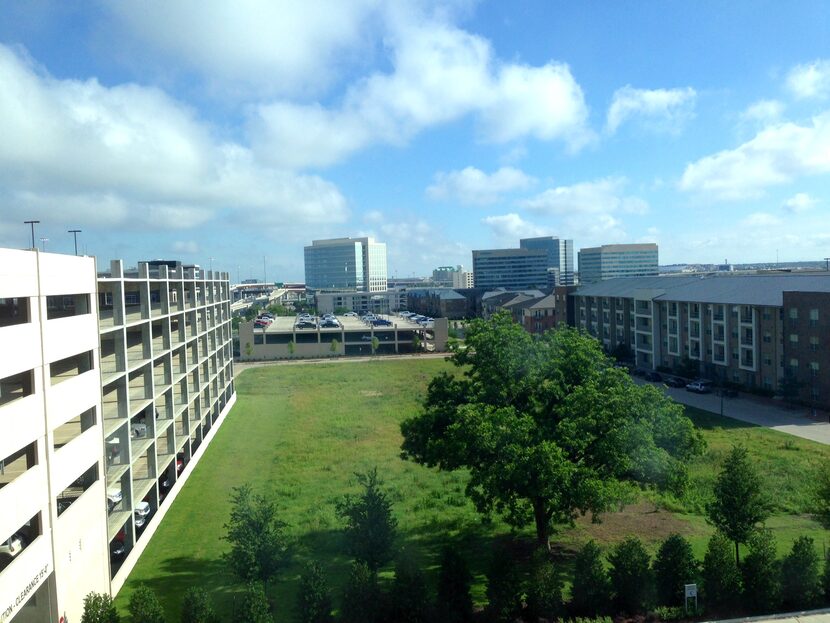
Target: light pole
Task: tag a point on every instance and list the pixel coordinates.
(211, 264)
(75, 233)
(32, 223)
(43, 242)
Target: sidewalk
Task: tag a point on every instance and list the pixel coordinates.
(773, 414)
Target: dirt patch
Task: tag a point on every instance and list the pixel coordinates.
(650, 523)
(369, 393)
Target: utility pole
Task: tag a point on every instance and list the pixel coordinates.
(32, 223)
(75, 233)
(827, 263)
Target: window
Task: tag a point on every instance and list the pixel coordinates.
(65, 433)
(73, 492)
(767, 360)
(814, 344)
(793, 313)
(814, 317)
(767, 337)
(793, 338)
(63, 305)
(70, 367)
(13, 311)
(16, 386)
(17, 463)
(814, 367)
(794, 363)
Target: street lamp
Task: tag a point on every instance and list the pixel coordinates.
(32, 223)
(75, 233)
(43, 242)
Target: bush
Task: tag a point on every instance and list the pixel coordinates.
(800, 579)
(313, 598)
(98, 608)
(197, 608)
(760, 573)
(825, 581)
(144, 606)
(721, 576)
(674, 566)
(253, 607)
(591, 591)
(361, 597)
(504, 588)
(544, 588)
(409, 600)
(454, 603)
(630, 576)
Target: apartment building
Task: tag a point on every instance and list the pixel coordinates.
(612, 261)
(111, 386)
(753, 330)
(343, 264)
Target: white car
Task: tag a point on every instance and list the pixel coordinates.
(351, 314)
(141, 512)
(114, 497)
(13, 545)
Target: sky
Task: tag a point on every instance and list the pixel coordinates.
(232, 134)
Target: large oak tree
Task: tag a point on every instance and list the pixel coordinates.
(547, 427)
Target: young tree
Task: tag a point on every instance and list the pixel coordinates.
(591, 590)
(375, 344)
(800, 578)
(762, 590)
(144, 606)
(674, 566)
(544, 588)
(370, 526)
(721, 576)
(259, 547)
(196, 607)
(504, 588)
(313, 597)
(825, 581)
(454, 604)
(630, 576)
(547, 428)
(333, 347)
(362, 599)
(253, 606)
(292, 346)
(98, 608)
(409, 600)
(739, 505)
(821, 496)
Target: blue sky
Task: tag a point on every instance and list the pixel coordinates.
(242, 130)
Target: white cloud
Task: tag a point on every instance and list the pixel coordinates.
(508, 228)
(251, 45)
(439, 74)
(660, 109)
(777, 155)
(800, 202)
(600, 196)
(186, 246)
(761, 219)
(104, 156)
(374, 216)
(810, 80)
(763, 111)
(473, 186)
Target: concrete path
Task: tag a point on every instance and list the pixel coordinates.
(239, 366)
(774, 414)
(809, 616)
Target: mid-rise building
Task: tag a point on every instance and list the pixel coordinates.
(560, 257)
(463, 280)
(111, 386)
(513, 269)
(763, 332)
(346, 264)
(376, 302)
(452, 277)
(612, 261)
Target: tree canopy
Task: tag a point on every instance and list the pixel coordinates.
(547, 427)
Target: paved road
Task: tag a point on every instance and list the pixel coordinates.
(809, 616)
(798, 421)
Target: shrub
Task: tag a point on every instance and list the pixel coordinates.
(630, 575)
(98, 608)
(800, 579)
(544, 588)
(144, 606)
(196, 607)
(361, 596)
(253, 607)
(591, 592)
(674, 566)
(721, 576)
(504, 588)
(825, 581)
(313, 598)
(454, 603)
(409, 598)
(760, 574)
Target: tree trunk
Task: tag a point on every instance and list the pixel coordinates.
(540, 516)
(737, 556)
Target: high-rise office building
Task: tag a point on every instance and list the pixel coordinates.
(356, 264)
(560, 255)
(611, 261)
(510, 268)
(111, 387)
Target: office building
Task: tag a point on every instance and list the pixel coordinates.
(560, 257)
(346, 264)
(762, 332)
(612, 261)
(376, 302)
(111, 387)
(510, 268)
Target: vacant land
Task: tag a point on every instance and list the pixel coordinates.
(299, 433)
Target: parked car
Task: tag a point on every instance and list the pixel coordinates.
(653, 376)
(117, 550)
(673, 381)
(351, 314)
(13, 545)
(700, 387)
(114, 497)
(141, 512)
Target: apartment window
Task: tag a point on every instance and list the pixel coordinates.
(814, 367)
(814, 317)
(767, 360)
(63, 305)
(814, 393)
(794, 338)
(767, 337)
(16, 386)
(14, 311)
(814, 344)
(794, 363)
(766, 314)
(793, 313)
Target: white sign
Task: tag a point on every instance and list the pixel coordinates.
(691, 590)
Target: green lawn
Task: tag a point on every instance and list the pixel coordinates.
(299, 432)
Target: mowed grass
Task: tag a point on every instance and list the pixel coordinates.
(298, 433)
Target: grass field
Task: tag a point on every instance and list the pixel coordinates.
(298, 433)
